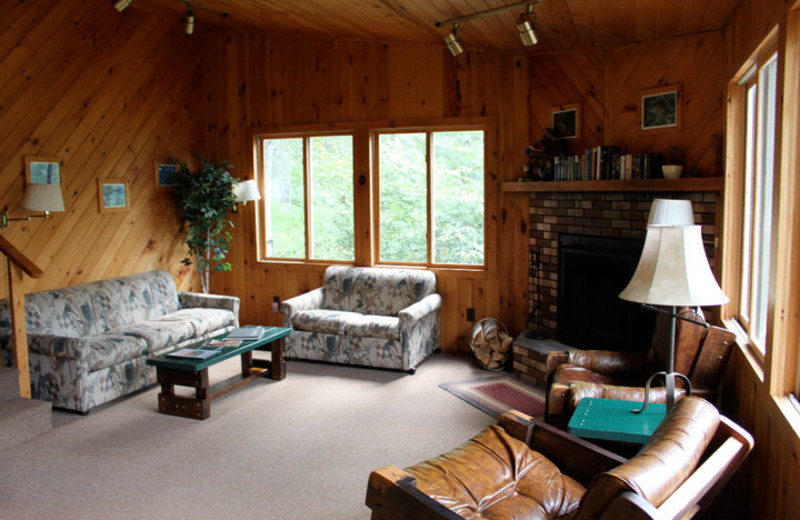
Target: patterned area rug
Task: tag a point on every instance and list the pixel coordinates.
(497, 394)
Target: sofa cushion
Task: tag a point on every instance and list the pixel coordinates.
(63, 312)
(347, 323)
(107, 350)
(203, 320)
(494, 475)
(371, 290)
(159, 333)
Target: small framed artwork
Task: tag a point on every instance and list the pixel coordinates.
(164, 174)
(112, 195)
(566, 121)
(661, 108)
(42, 170)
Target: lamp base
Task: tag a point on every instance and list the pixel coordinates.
(669, 380)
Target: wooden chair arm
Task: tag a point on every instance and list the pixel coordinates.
(392, 494)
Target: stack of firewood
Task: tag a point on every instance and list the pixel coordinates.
(491, 344)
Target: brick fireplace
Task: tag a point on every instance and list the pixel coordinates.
(605, 214)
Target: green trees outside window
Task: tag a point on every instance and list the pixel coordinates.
(430, 191)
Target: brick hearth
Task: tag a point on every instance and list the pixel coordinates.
(603, 214)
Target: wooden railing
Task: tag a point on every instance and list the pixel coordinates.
(19, 264)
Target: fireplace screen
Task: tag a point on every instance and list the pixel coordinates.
(592, 273)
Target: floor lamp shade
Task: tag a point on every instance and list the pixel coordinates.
(671, 212)
(673, 270)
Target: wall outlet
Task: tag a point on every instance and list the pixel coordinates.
(276, 304)
(470, 314)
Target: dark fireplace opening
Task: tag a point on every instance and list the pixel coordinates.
(592, 273)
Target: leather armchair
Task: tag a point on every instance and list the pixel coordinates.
(525, 469)
(701, 353)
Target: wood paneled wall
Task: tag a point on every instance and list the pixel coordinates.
(108, 93)
(608, 85)
(261, 81)
(769, 485)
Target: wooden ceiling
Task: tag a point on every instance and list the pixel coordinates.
(562, 24)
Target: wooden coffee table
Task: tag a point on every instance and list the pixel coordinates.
(193, 373)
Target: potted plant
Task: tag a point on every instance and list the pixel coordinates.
(205, 197)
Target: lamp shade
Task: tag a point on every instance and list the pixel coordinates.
(673, 270)
(671, 212)
(43, 197)
(246, 191)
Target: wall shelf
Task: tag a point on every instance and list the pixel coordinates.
(689, 184)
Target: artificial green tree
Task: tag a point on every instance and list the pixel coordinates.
(205, 197)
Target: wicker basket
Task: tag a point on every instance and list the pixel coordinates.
(491, 344)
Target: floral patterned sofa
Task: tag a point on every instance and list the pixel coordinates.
(375, 317)
(89, 343)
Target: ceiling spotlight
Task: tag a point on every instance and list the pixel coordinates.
(526, 26)
(120, 5)
(453, 42)
(188, 20)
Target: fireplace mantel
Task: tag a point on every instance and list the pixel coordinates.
(698, 184)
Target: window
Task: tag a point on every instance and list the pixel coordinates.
(431, 197)
(758, 177)
(308, 202)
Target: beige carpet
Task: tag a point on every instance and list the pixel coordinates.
(301, 448)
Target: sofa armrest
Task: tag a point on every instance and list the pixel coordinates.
(194, 300)
(303, 302)
(58, 346)
(420, 309)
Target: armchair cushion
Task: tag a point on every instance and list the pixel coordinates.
(494, 475)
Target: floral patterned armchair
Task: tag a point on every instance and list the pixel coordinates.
(375, 317)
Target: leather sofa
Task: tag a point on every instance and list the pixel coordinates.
(374, 317)
(88, 344)
(524, 469)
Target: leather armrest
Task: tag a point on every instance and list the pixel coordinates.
(392, 494)
(607, 362)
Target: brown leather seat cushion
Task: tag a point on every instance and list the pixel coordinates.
(493, 476)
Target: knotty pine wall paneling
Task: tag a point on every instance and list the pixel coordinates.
(257, 80)
(109, 93)
(769, 484)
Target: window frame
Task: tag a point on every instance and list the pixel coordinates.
(364, 179)
(258, 139)
(429, 158)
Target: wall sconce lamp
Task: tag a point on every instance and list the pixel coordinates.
(120, 5)
(526, 26)
(245, 191)
(38, 197)
(188, 20)
(454, 42)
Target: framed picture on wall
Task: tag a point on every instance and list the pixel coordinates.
(565, 121)
(661, 108)
(112, 195)
(164, 174)
(42, 170)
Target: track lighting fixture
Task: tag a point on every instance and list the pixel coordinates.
(526, 25)
(120, 5)
(454, 42)
(188, 20)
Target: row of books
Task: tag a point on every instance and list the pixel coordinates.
(607, 163)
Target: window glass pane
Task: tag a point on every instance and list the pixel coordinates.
(403, 196)
(332, 235)
(764, 187)
(458, 180)
(747, 210)
(284, 199)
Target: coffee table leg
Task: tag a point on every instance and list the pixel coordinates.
(169, 403)
(278, 370)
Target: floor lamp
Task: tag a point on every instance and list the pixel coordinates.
(673, 272)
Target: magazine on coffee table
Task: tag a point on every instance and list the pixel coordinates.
(248, 333)
(222, 342)
(193, 353)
